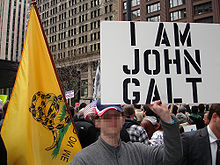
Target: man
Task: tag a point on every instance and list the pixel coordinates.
(110, 150)
(200, 147)
(196, 118)
(205, 118)
(136, 132)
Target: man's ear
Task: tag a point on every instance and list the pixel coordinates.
(214, 116)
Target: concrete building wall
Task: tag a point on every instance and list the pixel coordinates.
(13, 27)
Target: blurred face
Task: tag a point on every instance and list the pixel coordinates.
(111, 123)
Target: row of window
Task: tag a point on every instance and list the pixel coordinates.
(80, 50)
(180, 14)
(95, 13)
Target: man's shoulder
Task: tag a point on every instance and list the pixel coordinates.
(192, 136)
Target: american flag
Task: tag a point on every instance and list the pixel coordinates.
(90, 109)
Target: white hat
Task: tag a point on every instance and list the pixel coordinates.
(152, 119)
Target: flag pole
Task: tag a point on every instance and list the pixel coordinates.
(34, 3)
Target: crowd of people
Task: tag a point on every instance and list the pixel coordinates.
(112, 132)
(142, 125)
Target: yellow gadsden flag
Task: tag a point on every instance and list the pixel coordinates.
(37, 129)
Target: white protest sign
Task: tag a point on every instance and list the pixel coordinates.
(69, 94)
(144, 61)
(189, 128)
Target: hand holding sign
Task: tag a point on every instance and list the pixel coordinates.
(161, 110)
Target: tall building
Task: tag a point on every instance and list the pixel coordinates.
(72, 28)
(199, 11)
(13, 22)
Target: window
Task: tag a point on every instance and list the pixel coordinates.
(203, 8)
(84, 87)
(153, 7)
(135, 13)
(205, 20)
(110, 8)
(174, 3)
(133, 3)
(106, 9)
(154, 18)
(180, 14)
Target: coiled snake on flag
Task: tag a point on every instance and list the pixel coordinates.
(50, 111)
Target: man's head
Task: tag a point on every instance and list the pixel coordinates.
(195, 109)
(137, 106)
(205, 118)
(110, 119)
(214, 117)
(201, 108)
(129, 111)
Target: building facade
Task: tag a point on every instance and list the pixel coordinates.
(72, 28)
(13, 23)
(199, 11)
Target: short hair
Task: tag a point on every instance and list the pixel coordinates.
(137, 106)
(128, 110)
(82, 105)
(201, 107)
(195, 109)
(215, 108)
(148, 111)
(174, 108)
(182, 109)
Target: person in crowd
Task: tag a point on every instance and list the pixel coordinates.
(3, 152)
(173, 109)
(205, 118)
(4, 108)
(183, 120)
(109, 149)
(150, 124)
(202, 147)
(201, 109)
(157, 137)
(1, 113)
(72, 111)
(86, 130)
(82, 105)
(75, 117)
(196, 118)
(136, 132)
(148, 112)
(139, 114)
